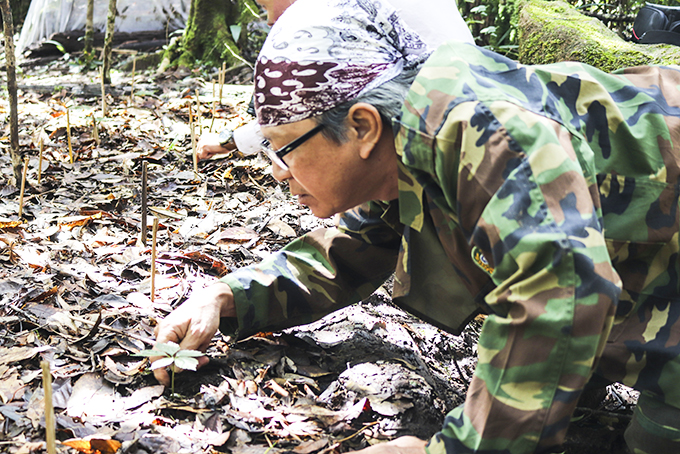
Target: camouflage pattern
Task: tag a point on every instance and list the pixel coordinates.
(565, 179)
(655, 427)
(552, 192)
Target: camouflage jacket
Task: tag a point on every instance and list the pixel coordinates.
(546, 194)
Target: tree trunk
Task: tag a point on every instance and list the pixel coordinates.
(8, 28)
(89, 27)
(208, 34)
(19, 9)
(110, 24)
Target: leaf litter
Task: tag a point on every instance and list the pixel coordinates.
(75, 291)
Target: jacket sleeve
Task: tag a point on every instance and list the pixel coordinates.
(315, 274)
(527, 199)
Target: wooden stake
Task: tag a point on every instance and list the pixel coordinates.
(68, 135)
(153, 258)
(194, 151)
(198, 110)
(214, 110)
(193, 139)
(213, 83)
(23, 187)
(50, 436)
(101, 72)
(132, 84)
(95, 130)
(40, 157)
(223, 72)
(197, 123)
(145, 165)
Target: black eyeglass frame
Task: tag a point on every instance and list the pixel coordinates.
(276, 156)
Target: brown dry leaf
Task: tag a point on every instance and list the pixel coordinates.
(94, 445)
(77, 221)
(207, 262)
(237, 235)
(11, 388)
(94, 400)
(16, 354)
(33, 257)
(281, 228)
(310, 446)
(10, 224)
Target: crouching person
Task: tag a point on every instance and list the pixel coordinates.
(546, 196)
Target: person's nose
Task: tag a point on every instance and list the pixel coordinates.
(280, 174)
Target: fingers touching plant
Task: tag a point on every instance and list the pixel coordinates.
(174, 357)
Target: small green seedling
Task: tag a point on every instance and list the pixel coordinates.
(172, 355)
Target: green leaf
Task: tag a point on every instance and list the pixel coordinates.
(480, 9)
(185, 353)
(491, 30)
(148, 353)
(163, 362)
(168, 349)
(235, 31)
(56, 44)
(186, 363)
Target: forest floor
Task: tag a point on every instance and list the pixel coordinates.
(75, 292)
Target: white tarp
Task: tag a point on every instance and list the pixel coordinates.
(46, 17)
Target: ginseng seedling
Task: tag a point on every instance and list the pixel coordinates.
(174, 357)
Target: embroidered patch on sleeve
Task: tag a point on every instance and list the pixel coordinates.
(481, 261)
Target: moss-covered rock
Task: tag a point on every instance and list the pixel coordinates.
(552, 31)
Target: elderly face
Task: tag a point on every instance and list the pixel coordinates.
(274, 8)
(331, 178)
(318, 170)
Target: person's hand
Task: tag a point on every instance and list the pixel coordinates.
(193, 324)
(209, 145)
(401, 445)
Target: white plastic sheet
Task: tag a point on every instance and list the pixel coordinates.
(46, 17)
(436, 21)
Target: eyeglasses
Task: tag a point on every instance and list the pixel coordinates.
(277, 155)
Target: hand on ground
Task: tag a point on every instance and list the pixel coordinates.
(209, 145)
(193, 324)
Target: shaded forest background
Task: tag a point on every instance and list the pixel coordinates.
(492, 22)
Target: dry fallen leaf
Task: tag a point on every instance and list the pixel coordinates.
(94, 445)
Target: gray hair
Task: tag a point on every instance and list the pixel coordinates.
(386, 98)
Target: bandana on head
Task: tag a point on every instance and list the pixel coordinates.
(321, 53)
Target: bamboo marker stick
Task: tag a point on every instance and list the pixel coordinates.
(145, 165)
(101, 76)
(153, 258)
(95, 130)
(193, 139)
(23, 187)
(200, 130)
(40, 157)
(68, 135)
(194, 150)
(132, 83)
(214, 110)
(222, 75)
(198, 110)
(50, 436)
(213, 84)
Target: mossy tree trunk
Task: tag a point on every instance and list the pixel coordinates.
(108, 41)
(8, 30)
(208, 36)
(89, 28)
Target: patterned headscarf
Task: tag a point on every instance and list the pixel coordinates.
(321, 53)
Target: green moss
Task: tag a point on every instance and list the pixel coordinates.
(552, 31)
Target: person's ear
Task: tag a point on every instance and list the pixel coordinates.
(366, 123)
